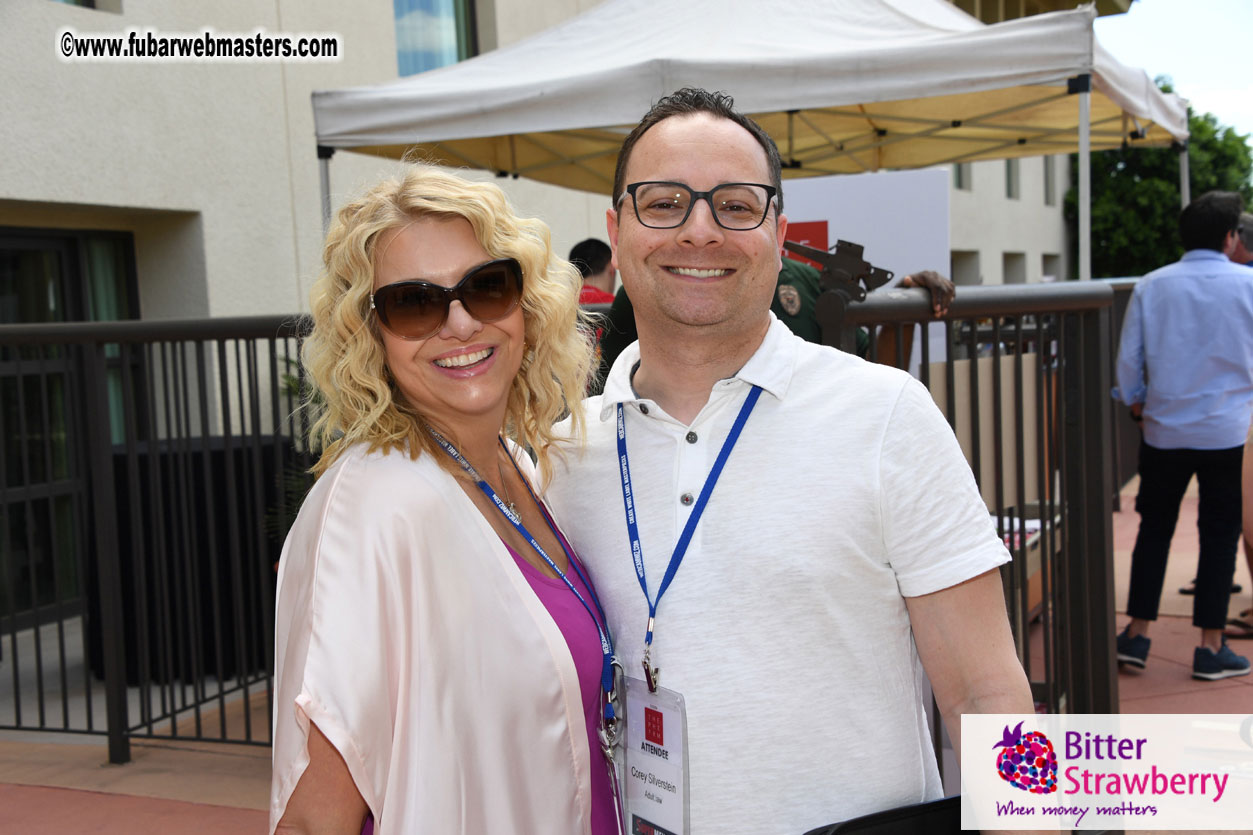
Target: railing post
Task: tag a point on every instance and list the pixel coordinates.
(831, 310)
(108, 564)
(1089, 514)
(1100, 528)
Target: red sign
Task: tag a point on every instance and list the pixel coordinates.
(810, 233)
(653, 731)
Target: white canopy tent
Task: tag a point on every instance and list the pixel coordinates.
(858, 85)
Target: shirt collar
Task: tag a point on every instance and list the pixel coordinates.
(1204, 255)
(771, 367)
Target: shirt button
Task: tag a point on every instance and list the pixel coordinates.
(643, 409)
(686, 498)
(691, 437)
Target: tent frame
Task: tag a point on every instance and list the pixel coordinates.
(1080, 86)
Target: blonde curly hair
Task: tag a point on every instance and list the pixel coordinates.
(359, 400)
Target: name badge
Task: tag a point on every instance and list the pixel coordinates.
(655, 781)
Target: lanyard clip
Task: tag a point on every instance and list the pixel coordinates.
(608, 734)
(651, 674)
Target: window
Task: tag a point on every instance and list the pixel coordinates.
(56, 275)
(433, 33)
(1013, 268)
(1050, 181)
(961, 176)
(1051, 268)
(1012, 187)
(964, 267)
(52, 275)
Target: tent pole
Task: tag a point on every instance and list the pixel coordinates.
(1085, 176)
(324, 169)
(1185, 176)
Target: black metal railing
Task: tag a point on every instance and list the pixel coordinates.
(1125, 448)
(150, 470)
(1024, 380)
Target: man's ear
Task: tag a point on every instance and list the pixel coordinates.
(1231, 242)
(781, 236)
(611, 226)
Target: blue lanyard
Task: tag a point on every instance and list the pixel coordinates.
(680, 547)
(606, 642)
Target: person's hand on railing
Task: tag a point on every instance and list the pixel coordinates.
(942, 290)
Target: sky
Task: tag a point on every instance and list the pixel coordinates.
(1205, 46)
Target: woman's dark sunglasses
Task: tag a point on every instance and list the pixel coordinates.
(418, 309)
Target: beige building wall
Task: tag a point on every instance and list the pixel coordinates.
(996, 239)
(212, 165)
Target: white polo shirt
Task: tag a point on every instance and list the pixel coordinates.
(785, 628)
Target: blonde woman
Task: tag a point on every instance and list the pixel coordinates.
(441, 659)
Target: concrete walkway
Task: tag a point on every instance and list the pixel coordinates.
(32, 809)
(1166, 684)
(59, 783)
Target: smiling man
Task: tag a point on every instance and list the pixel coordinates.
(779, 531)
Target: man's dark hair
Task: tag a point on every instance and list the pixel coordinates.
(1206, 221)
(591, 256)
(691, 100)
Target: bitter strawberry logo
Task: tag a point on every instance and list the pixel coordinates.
(1027, 761)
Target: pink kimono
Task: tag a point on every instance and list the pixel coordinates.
(407, 633)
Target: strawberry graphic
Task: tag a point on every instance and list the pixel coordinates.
(1027, 761)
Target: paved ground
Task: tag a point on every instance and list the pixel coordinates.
(1166, 685)
(54, 783)
(58, 783)
(37, 809)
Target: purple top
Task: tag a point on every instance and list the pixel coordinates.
(584, 644)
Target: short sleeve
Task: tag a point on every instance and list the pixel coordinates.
(342, 649)
(937, 530)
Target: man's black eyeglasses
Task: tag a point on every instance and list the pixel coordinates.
(667, 205)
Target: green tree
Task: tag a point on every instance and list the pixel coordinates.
(1135, 195)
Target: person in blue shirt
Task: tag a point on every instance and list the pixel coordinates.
(1185, 367)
